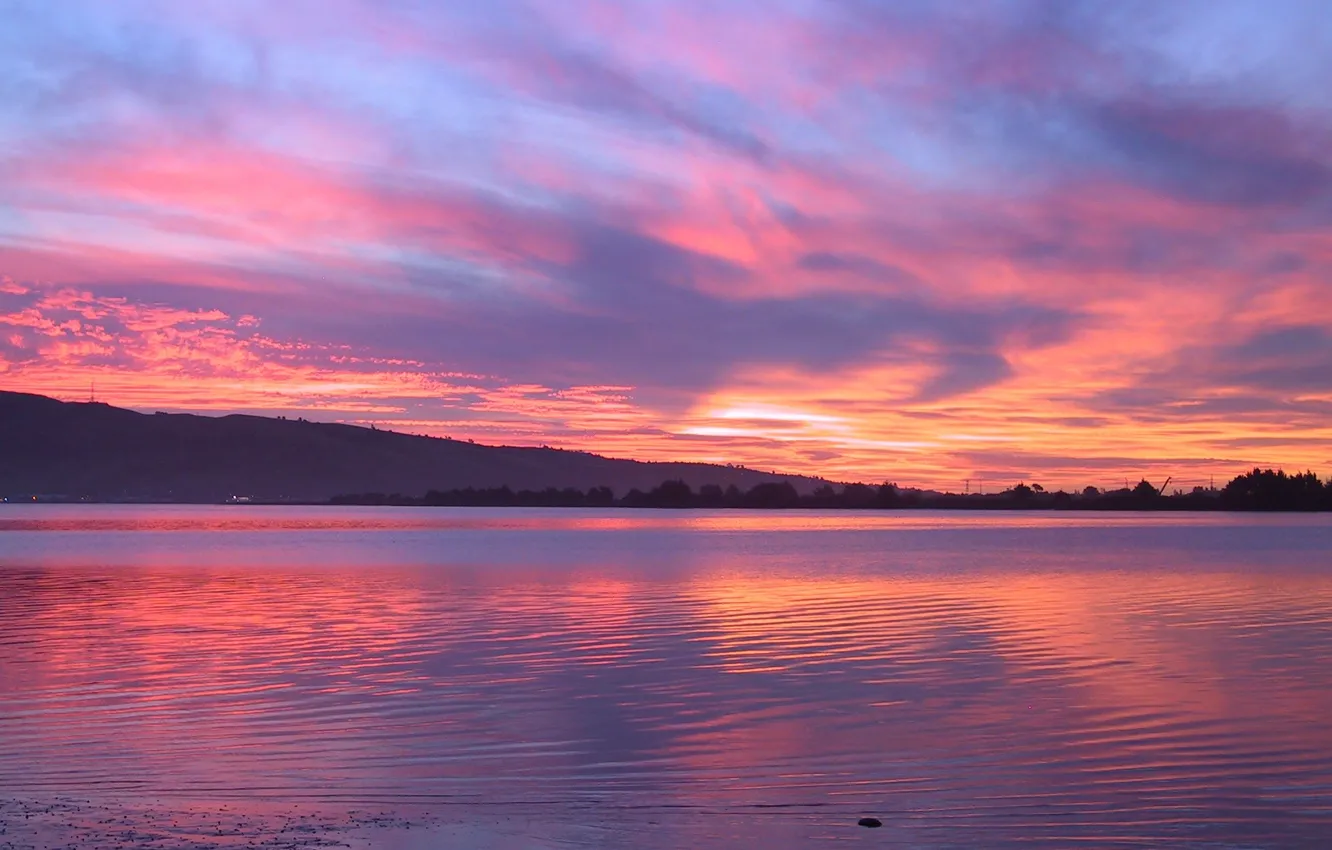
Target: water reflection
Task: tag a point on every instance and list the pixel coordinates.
(952, 676)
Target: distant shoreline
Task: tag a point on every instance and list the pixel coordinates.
(923, 506)
(1259, 491)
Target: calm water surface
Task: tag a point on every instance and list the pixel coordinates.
(661, 679)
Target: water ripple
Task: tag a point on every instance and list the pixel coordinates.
(958, 679)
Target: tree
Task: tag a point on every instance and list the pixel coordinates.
(859, 496)
(823, 497)
(1266, 490)
(1145, 490)
(671, 494)
(888, 496)
(711, 496)
(772, 495)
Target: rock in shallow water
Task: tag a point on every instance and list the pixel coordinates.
(872, 823)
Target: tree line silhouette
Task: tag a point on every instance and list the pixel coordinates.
(1258, 490)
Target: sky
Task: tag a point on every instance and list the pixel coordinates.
(952, 245)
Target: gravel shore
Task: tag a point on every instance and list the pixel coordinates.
(72, 824)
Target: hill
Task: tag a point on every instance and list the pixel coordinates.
(100, 452)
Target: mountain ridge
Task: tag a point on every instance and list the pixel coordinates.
(92, 450)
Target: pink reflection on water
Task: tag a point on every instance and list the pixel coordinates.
(704, 668)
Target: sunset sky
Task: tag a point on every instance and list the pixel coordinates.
(1072, 243)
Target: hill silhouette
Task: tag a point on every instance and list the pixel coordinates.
(100, 452)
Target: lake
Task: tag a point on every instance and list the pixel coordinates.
(402, 678)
